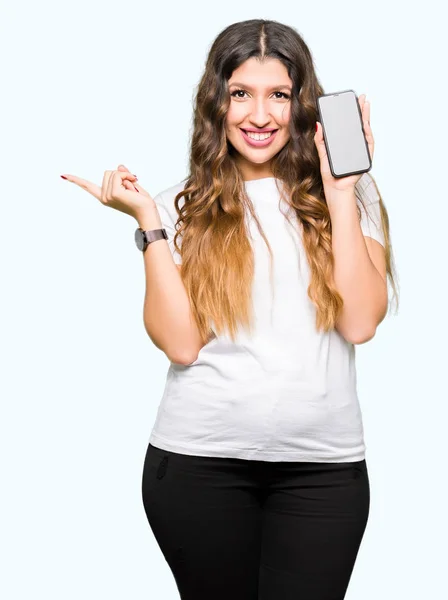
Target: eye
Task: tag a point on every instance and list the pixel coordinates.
(286, 96)
(239, 91)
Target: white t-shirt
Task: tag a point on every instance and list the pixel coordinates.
(285, 393)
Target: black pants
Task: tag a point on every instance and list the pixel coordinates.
(235, 529)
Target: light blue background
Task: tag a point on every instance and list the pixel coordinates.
(89, 85)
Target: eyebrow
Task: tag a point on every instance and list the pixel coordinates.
(248, 87)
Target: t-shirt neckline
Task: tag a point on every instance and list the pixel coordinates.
(260, 179)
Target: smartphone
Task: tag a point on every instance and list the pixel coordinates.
(345, 141)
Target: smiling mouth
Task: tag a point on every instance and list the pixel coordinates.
(257, 142)
(260, 132)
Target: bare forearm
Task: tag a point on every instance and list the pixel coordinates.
(167, 314)
(356, 277)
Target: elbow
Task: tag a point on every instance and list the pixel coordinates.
(174, 355)
(182, 359)
(191, 351)
(361, 337)
(179, 356)
(356, 336)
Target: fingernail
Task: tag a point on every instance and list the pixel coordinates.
(63, 177)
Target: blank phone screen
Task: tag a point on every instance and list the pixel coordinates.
(345, 141)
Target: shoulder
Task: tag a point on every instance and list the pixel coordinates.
(165, 202)
(168, 195)
(367, 187)
(371, 218)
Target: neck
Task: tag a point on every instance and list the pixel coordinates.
(251, 170)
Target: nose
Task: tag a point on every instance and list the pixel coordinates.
(260, 115)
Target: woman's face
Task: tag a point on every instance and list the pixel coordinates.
(260, 99)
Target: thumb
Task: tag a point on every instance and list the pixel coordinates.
(134, 186)
(127, 184)
(130, 185)
(320, 142)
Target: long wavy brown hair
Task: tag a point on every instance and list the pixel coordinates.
(217, 257)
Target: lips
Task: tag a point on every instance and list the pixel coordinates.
(258, 143)
(257, 131)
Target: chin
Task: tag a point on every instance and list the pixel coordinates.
(257, 156)
(258, 160)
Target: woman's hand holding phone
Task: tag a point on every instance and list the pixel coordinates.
(343, 184)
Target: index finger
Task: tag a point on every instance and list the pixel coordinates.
(90, 187)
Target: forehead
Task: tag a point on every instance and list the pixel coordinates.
(261, 74)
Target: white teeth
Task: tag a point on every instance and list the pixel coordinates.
(259, 136)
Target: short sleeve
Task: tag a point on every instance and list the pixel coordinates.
(168, 216)
(370, 220)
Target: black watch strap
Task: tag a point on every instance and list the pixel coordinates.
(155, 234)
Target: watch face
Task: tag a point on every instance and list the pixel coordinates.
(139, 239)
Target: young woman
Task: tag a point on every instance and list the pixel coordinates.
(255, 481)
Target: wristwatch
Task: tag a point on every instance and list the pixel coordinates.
(144, 238)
